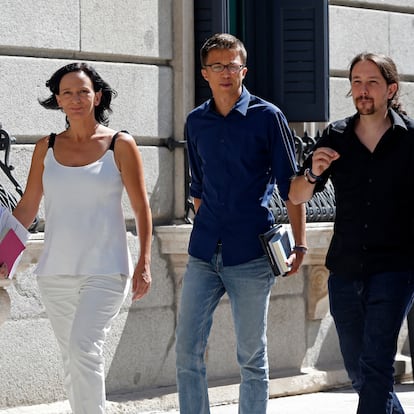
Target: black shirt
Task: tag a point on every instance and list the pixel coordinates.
(374, 225)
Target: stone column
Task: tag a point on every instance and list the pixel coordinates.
(174, 243)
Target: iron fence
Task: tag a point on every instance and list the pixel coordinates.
(321, 208)
(10, 189)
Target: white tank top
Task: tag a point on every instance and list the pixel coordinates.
(84, 223)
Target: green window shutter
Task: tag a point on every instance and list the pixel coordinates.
(210, 16)
(287, 45)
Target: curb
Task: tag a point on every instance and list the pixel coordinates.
(165, 399)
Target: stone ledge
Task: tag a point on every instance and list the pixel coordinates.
(174, 240)
(174, 243)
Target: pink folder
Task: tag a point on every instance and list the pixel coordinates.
(10, 249)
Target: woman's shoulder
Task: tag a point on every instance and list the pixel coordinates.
(42, 144)
(123, 135)
(122, 139)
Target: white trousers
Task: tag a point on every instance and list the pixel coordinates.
(81, 310)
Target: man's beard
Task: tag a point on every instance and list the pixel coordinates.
(365, 106)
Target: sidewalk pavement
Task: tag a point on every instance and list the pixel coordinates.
(338, 401)
(342, 401)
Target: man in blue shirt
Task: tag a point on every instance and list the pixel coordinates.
(236, 142)
(369, 158)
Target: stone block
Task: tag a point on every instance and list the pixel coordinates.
(162, 293)
(284, 328)
(40, 25)
(354, 30)
(342, 105)
(143, 105)
(322, 348)
(290, 285)
(407, 97)
(144, 356)
(31, 364)
(131, 28)
(23, 82)
(158, 165)
(386, 4)
(144, 102)
(401, 33)
(220, 355)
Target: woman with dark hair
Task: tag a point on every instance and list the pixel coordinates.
(84, 272)
(99, 85)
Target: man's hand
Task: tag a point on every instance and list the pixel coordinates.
(295, 261)
(322, 159)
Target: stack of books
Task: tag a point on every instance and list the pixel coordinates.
(278, 244)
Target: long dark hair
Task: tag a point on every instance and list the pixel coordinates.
(388, 71)
(102, 110)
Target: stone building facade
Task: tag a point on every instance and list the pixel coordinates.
(144, 49)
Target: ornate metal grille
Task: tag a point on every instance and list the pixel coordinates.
(321, 208)
(10, 185)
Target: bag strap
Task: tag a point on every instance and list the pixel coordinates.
(112, 146)
(52, 138)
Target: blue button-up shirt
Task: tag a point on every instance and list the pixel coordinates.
(231, 161)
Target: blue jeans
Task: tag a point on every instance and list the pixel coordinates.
(248, 286)
(368, 315)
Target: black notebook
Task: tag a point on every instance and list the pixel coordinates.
(278, 244)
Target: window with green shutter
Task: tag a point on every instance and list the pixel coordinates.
(287, 46)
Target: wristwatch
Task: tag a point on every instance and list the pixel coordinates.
(310, 177)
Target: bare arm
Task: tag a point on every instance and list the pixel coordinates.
(301, 189)
(28, 205)
(132, 172)
(297, 219)
(197, 203)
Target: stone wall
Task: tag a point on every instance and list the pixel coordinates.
(385, 26)
(143, 48)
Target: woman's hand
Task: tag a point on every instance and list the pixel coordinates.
(141, 282)
(4, 271)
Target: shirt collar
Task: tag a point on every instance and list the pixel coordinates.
(396, 119)
(241, 105)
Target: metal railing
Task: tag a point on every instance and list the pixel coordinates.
(7, 198)
(321, 208)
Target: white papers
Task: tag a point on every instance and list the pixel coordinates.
(13, 239)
